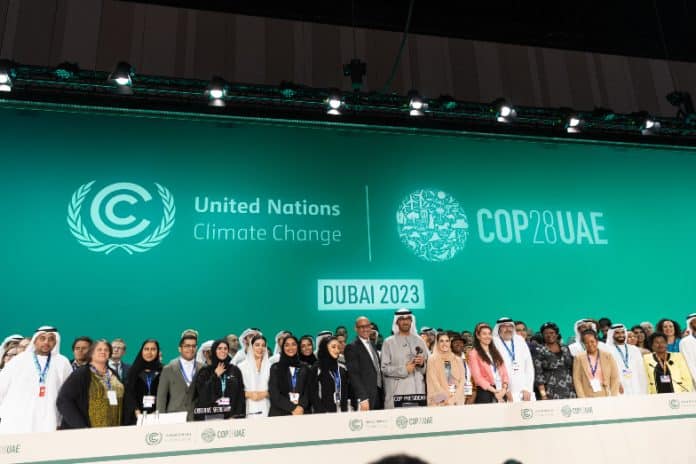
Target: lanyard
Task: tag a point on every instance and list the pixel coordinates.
(663, 364)
(223, 382)
(466, 371)
(624, 357)
(593, 369)
(183, 372)
(293, 379)
(510, 352)
(107, 376)
(42, 373)
(148, 380)
(337, 380)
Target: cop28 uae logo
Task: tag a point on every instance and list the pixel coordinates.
(111, 225)
(432, 224)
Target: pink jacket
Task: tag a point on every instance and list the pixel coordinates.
(482, 372)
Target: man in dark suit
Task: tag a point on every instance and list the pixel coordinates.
(118, 349)
(175, 390)
(363, 363)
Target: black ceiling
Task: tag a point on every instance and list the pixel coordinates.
(611, 26)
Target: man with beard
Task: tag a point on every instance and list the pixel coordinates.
(518, 359)
(29, 385)
(404, 355)
(629, 360)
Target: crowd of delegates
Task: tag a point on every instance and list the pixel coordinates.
(236, 377)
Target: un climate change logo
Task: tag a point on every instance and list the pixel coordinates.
(153, 438)
(432, 224)
(105, 203)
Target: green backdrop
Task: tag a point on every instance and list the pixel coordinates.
(390, 204)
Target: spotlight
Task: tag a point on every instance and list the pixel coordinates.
(7, 74)
(334, 103)
(122, 76)
(574, 125)
(650, 127)
(416, 104)
(216, 91)
(505, 112)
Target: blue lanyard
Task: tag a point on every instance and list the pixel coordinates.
(293, 379)
(223, 382)
(183, 372)
(107, 377)
(623, 357)
(148, 381)
(42, 374)
(511, 353)
(593, 369)
(337, 380)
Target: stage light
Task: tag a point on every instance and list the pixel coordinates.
(574, 125)
(650, 127)
(7, 74)
(216, 91)
(416, 104)
(505, 112)
(122, 76)
(334, 103)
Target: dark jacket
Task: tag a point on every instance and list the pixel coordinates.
(208, 389)
(133, 396)
(280, 386)
(73, 399)
(362, 373)
(323, 394)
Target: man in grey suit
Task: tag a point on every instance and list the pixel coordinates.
(175, 391)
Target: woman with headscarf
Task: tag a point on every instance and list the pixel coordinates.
(333, 388)
(290, 382)
(256, 371)
(445, 376)
(307, 355)
(219, 388)
(276, 349)
(141, 386)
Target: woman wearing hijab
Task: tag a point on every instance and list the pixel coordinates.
(142, 383)
(290, 382)
(488, 368)
(219, 388)
(307, 355)
(256, 371)
(445, 376)
(333, 389)
(276, 349)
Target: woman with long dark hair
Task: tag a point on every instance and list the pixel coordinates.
(333, 388)
(290, 383)
(488, 368)
(670, 329)
(143, 379)
(219, 392)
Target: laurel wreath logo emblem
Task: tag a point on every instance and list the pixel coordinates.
(85, 238)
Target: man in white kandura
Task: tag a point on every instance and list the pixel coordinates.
(404, 355)
(629, 360)
(29, 385)
(687, 345)
(518, 359)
